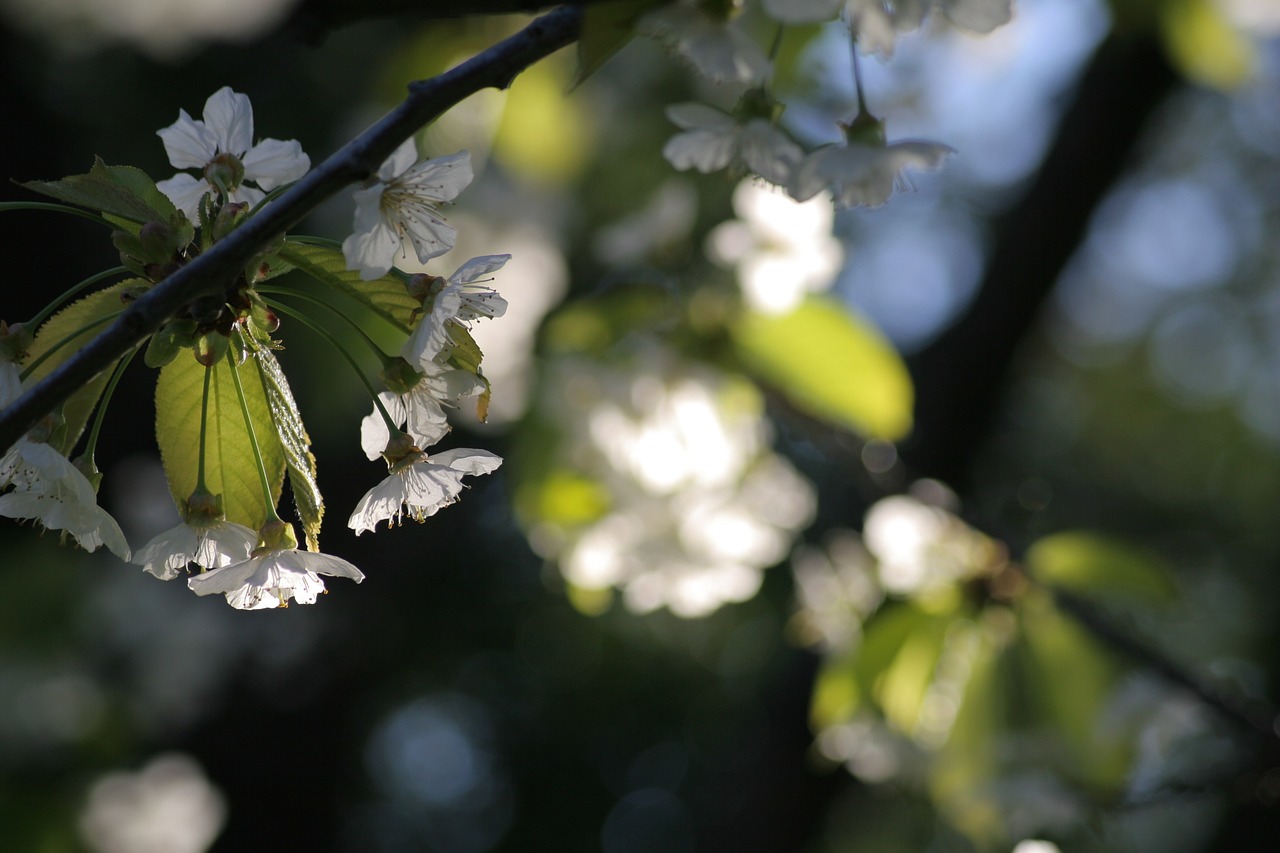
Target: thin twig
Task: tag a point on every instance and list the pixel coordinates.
(209, 273)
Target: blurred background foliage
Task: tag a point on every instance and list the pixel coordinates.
(976, 548)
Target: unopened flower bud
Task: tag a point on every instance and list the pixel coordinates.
(228, 218)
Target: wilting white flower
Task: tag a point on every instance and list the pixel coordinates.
(269, 579)
(858, 174)
(211, 546)
(420, 411)
(712, 44)
(222, 146)
(876, 23)
(53, 492)
(713, 140)
(461, 299)
(420, 488)
(403, 203)
(781, 248)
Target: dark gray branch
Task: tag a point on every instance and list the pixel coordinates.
(212, 271)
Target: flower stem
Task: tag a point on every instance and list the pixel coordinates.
(100, 415)
(346, 318)
(337, 345)
(857, 71)
(57, 208)
(271, 514)
(204, 430)
(35, 321)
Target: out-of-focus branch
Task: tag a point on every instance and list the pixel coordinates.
(1258, 719)
(961, 377)
(313, 18)
(211, 271)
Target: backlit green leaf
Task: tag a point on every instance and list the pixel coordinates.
(1090, 563)
(230, 469)
(295, 442)
(830, 364)
(62, 336)
(386, 296)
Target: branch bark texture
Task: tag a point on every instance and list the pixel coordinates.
(210, 272)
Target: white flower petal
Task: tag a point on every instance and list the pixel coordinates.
(229, 116)
(477, 267)
(979, 16)
(704, 150)
(189, 143)
(400, 160)
(185, 192)
(274, 162)
(439, 179)
(468, 460)
(372, 251)
(694, 116)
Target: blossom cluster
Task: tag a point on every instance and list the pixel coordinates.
(865, 169)
(694, 504)
(255, 563)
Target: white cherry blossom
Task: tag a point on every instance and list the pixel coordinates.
(212, 546)
(864, 175)
(712, 44)
(52, 491)
(401, 204)
(272, 577)
(420, 411)
(222, 144)
(420, 488)
(876, 23)
(712, 140)
(462, 299)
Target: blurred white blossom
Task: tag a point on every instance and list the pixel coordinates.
(698, 504)
(712, 43)
(781, 249)
(168, 806)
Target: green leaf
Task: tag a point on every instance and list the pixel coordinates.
(121, 191)
(830, 364)
(1070, 679)
(606, 29)
(62, 336)
(230, 469)
(386, 296)
(1091, 563)
(293, 438)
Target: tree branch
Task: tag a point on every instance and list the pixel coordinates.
(209, 272)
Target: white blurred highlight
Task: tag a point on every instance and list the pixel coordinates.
(169, 806)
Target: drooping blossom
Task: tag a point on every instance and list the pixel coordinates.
(876, 23)
(712, 140)
(461, 298)
(210, 546)
(419, 486)
(707, 39)
(271, 577)
(857, 174)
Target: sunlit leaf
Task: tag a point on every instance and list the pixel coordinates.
(119, 190)
(1090, 563)
(230, 469)
(296, 444)
(1069, 679)
(836, 696)
(386, 296)
(1204, 45)
(830, 364)
(587, 601)
(568, 498)
(67, 332)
